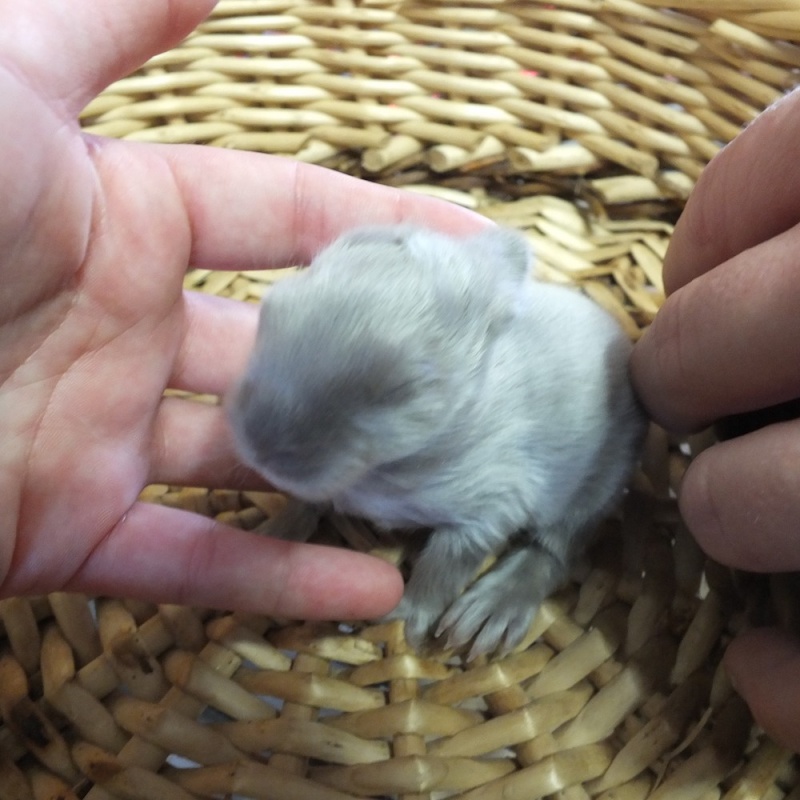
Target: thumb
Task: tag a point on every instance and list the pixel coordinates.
(96, 43)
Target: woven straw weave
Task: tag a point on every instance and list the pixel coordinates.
(584, 123)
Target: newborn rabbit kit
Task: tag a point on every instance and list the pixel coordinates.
(420, 380)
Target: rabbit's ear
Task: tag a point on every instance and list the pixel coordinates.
(369, 247)
(505, 253)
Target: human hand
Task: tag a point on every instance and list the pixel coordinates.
(95, 238)
(727, 341)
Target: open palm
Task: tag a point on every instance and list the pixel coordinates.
(95, 238)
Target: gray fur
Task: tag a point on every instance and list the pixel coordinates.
(420, 380)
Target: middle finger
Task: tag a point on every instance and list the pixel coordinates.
(741, 499)
(727, 342)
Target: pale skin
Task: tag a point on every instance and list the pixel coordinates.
(95, 237)
(726, 342)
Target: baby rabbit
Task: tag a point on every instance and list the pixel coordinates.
(424, 381)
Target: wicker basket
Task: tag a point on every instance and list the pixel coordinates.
(585, 123)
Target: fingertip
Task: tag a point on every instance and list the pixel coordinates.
(334, 583)
(640, 370)
(442, 214)
(659, 377)
(764, 667)
(686, 255)
(168, 555)
(385, 590)
(699, 509)
(740, 499)
(714, 502)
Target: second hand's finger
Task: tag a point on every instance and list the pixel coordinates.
(746, 195)
(741, 499)
(764, 665)
(725, 343)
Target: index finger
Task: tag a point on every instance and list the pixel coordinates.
(254, 211)
(726, 343)
(748, 194)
